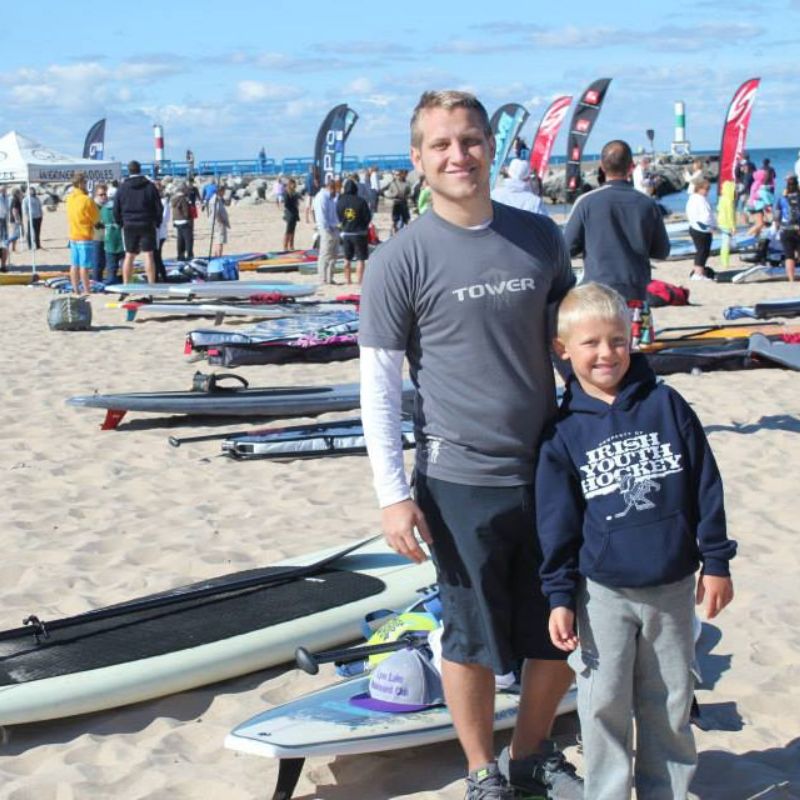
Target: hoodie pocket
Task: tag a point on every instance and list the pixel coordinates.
(645, 554)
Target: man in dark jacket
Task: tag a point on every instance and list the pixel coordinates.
(618, 230)
(354, 218)
(138, 209)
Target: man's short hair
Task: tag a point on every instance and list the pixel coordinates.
(591, 301)
(448, 99)
(134, 167)
(78, 179)
(617, 158)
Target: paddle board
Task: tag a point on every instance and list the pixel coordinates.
(760, 273)
(212, 289)
(19, 278)
(199, 634)
(326, 723)
(287, 401)
(344, 437)
(784, 353)
(670, 337)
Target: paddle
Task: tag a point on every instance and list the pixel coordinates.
(309, 662)
(268, 576)
(176, 441)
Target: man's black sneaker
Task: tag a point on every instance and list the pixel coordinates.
(547, 774)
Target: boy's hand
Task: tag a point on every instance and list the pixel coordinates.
(717, 593)
(562, 629)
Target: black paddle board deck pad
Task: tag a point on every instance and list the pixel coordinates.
(199, 634)
(289, 401)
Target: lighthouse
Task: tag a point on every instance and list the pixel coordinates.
(680, 145)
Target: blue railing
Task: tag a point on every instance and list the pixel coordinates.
(268, 166)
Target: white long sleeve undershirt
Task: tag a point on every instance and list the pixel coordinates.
(381, 401)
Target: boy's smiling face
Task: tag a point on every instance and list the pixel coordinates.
(599, 351)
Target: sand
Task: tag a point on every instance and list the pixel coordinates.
(89, 518)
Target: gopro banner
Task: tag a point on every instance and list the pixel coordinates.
(94, 145)
(331, 138)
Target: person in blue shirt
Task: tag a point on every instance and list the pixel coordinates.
(787, 221)
(629, 504)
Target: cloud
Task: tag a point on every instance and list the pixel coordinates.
(501, 37)
(249, 91)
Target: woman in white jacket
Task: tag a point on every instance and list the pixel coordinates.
(701, 222)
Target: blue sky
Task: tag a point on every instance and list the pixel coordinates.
(227, 78)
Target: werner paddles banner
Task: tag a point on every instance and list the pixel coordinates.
(546, 135)
(583, 118)
(506, 123)
(734, 134)
(94, 145)
(331, 138)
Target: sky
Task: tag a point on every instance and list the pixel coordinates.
(228, 78)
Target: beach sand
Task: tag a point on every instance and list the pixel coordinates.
(91, 518)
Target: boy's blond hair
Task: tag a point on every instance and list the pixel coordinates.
(591, 301)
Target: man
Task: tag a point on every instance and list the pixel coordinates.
(516, 189)
(83, 218)
(354, 216)
(32, 219)
(183, 221)
(618, 230)
(465, 290)
(138, 209)
(326, 222)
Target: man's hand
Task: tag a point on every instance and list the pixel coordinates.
(562, 629)
(717, 593)
(398, 522)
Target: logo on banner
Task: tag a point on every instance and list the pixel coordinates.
(742, 104)
(582, 125)
(576, 154)
(591, 97)
(96, 150)
(553, 119)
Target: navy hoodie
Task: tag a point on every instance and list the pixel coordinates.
(628, 494)
(137, 203)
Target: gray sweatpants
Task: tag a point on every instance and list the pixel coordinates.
(635, 662)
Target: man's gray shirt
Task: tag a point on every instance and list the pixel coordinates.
(469, 309)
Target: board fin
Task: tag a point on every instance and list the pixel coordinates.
(113, 418)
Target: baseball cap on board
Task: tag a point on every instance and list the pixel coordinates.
(404, 682)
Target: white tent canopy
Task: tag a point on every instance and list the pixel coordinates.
(24, 160)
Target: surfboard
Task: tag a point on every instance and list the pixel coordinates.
(19, 278)
(212, 289)
(199, 634)
(669, 337)
(341, 438)
(287, 401)
(326, 723)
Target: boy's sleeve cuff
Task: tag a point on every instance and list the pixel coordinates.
(561, 600)
(717, 567)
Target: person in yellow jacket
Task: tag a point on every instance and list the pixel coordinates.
(83, 217)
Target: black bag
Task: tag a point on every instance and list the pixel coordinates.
(70, 314)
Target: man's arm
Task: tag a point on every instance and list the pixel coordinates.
(659, 246)
(574, 233)
(381, 396)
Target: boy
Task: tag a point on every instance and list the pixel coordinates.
(629, 503)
